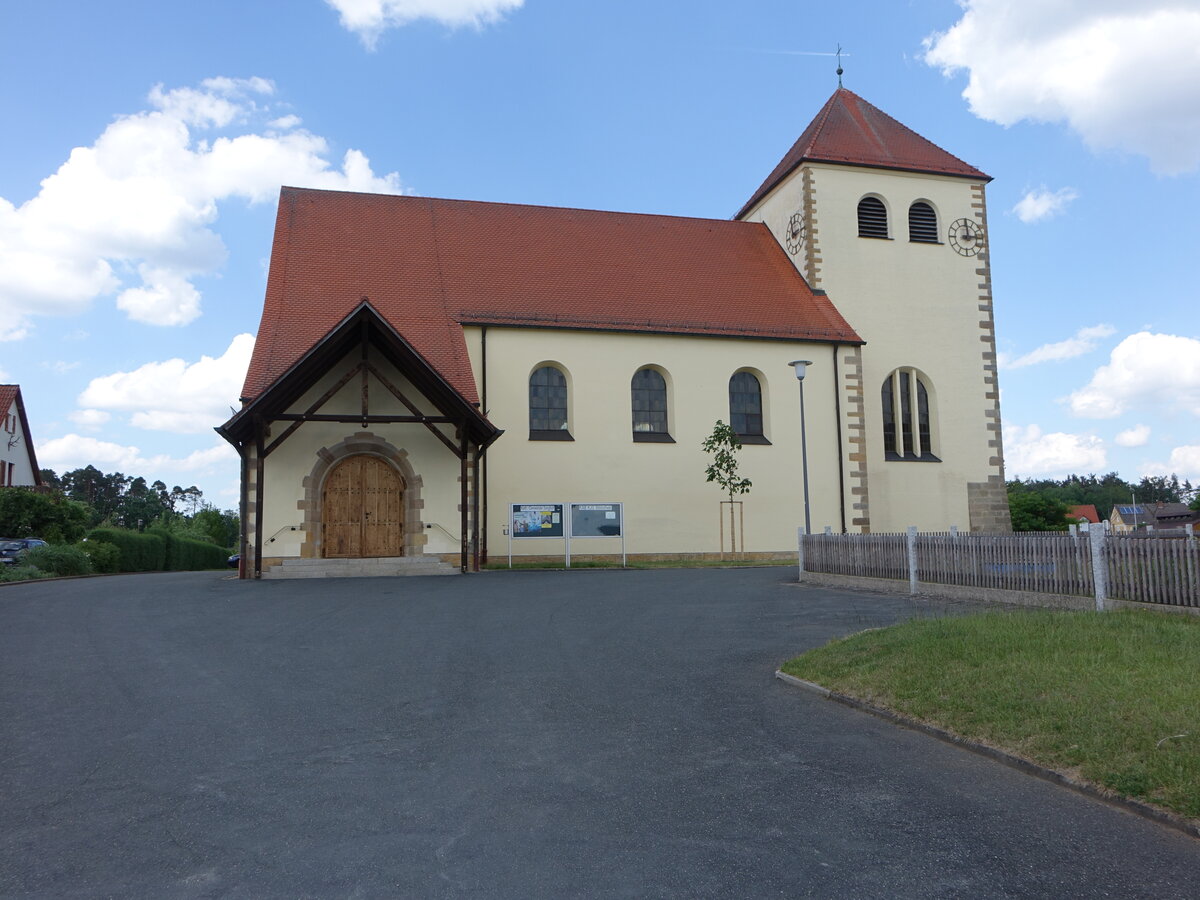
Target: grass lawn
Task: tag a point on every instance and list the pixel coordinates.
(1112, 698)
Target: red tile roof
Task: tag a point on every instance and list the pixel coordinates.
(1086, 511)
(8, 395)
(850, 131)
(430, 266)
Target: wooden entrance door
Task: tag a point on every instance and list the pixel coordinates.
(362, 513)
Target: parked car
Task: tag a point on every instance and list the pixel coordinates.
(10, 548)
(234, 561)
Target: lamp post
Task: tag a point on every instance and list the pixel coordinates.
(799, 366)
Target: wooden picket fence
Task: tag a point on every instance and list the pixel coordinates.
(1163, 569)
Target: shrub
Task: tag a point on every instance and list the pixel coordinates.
(105, 557)
(138, 552)
(21, 573)
(59, 559)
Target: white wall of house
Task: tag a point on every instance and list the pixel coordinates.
(14, 451)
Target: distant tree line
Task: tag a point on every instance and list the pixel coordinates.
(80, 500)
(1042, 504)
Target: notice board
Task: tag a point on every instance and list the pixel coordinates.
(537, 520)
(596, 520)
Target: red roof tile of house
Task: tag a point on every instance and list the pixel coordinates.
(8, 394)
(429, 266)
(1087, 512)
(850, 131)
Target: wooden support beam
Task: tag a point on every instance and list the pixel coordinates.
(320, 401)
(466, 537)
(475, 513)
(383, 379)
(301, 417)
(260, 429)
(366, 343)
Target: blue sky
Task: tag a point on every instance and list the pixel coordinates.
(146, 142)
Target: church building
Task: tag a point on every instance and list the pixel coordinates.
(446, 380)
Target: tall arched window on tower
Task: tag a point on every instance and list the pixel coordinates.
(907, 433)
(922, 223)
(872, 218)
(548, 405)
(648, 399)
(746, 408)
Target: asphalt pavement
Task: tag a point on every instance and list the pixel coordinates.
(509, 734)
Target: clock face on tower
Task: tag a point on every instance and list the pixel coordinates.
(794, 236)
(966, 237)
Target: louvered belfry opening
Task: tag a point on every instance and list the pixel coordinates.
(922, 223)
(872, 218)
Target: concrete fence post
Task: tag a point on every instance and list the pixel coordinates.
(1099, 567)
(912, 559)
(800, 553)
(829, 529)
(954, 531)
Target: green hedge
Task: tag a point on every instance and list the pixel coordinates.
(139, 552)
(187, 555)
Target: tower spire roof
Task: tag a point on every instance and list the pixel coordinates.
(850, 131)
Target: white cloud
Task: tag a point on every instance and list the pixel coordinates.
(1028, 452)
(1184, 462)
(1083, 342)
(90, 418)
(370, 18)
(1137, 436)
(74, 451)
(132, 215)
(173, 395)
(1043, 204)
(283, 123)
(1124, 74)
(1155, 371)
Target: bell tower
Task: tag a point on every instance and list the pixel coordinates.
(894, 229)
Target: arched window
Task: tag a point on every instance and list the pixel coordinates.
(922, 223)
(648, 396)
(872, 218)
(906, 430)
(745, 408)
(548, 405)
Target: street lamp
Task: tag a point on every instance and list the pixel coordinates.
(799, 366)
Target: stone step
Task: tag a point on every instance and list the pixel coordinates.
(375, 567)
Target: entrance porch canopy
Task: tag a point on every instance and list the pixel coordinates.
(459, 424)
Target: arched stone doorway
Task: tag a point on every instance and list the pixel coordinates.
(362, 509)
(410, 531)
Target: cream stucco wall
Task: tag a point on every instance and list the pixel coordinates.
(18, 454)
(916, 305)
(669, 507)
(294, 460)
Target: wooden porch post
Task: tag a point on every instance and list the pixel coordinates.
(462, 466)
(259, 469)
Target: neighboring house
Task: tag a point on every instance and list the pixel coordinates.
(1131, 517)
(422, 365)
(18, 462)
(1085, 513)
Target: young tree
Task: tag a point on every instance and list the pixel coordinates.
(723, 445)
